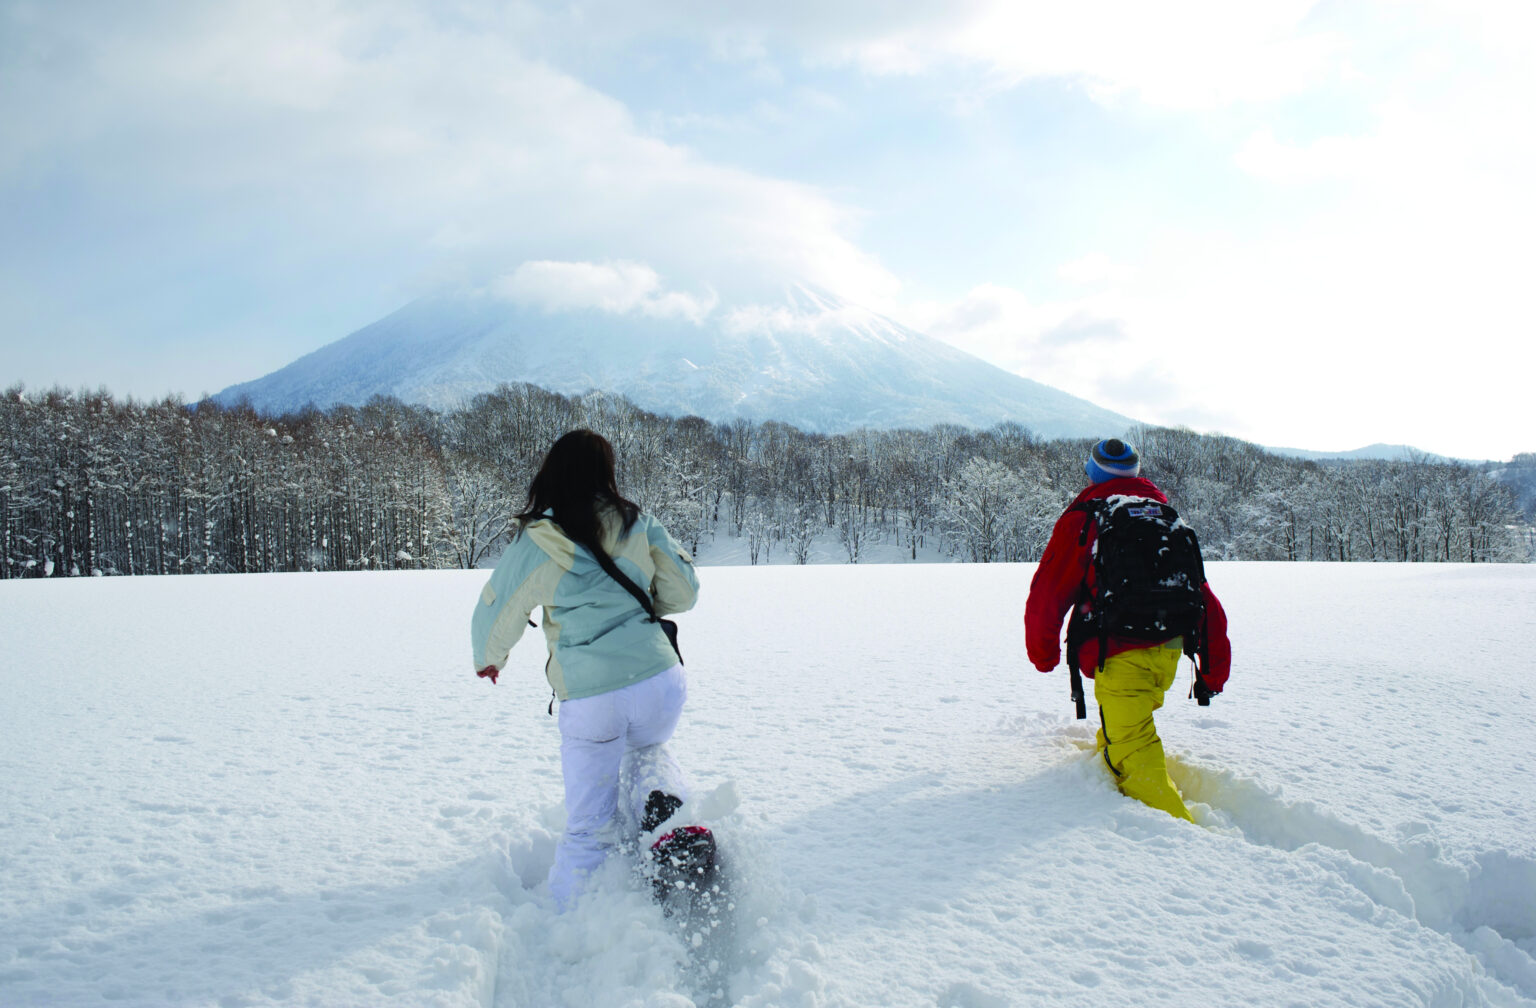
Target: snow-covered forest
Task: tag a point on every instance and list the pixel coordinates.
(89, 485)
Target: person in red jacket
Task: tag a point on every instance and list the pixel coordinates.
(1134, 677)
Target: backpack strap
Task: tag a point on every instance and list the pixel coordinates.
(1074, 642)
(1199, 652)
(1092, 508)
(1077, 632)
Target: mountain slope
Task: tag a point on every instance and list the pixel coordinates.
(811, 361)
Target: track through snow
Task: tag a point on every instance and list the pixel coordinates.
(1487, 905)
(290, 790)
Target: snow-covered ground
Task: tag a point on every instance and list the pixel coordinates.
(291, 789)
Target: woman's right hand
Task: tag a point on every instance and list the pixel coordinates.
(489, 672)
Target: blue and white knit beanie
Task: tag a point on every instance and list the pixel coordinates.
(1110, 459)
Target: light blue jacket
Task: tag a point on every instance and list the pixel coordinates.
(599, 638)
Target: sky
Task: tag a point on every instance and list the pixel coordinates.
(1305, 224)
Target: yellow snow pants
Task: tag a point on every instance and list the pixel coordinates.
(1128, 689)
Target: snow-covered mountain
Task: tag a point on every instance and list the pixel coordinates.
(1376, 452)
(810, 360)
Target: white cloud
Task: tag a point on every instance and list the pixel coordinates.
(1402, 293)
(1386, 304)
(1266, 158)
(1096, 269)
(804, 314)
(1335, 334)
(994, 322)
(1187, 54)
(438, 136)
(1004, 325)
(1183, 54)
(620, 288)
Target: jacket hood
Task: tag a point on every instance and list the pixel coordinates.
(548, 536)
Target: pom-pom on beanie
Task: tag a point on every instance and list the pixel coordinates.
(1110, 459)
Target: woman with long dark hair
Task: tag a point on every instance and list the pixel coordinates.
(617, 674)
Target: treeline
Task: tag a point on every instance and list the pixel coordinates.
(91, 485)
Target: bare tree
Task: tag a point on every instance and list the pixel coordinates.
(484, 509)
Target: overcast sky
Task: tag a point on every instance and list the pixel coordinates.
(1303, 224)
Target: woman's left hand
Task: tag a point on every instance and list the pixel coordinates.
(489, 672)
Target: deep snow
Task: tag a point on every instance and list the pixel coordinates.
(291, 789)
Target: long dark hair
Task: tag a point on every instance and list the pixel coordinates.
(575, 480)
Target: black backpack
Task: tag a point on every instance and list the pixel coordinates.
(1147, 581)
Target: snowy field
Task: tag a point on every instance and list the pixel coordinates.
(291, 789)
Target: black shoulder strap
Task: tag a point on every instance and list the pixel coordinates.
(606, 562)
(641, 596)
(668, 627)
(1093, 509)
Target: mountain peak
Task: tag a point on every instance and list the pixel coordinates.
(811, 359)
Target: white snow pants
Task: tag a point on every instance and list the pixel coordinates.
(603, 738)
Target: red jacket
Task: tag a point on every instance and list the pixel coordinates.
(1066, 568)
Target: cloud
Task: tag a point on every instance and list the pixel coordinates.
(1266, 158)
(1095, 270)
(1368, 286)
(1084, 329)
(1182, 54)
(298, 136)
(1316, 339)
(1004, 325)
(805, 311)
(1188, 54)
(620, 288)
